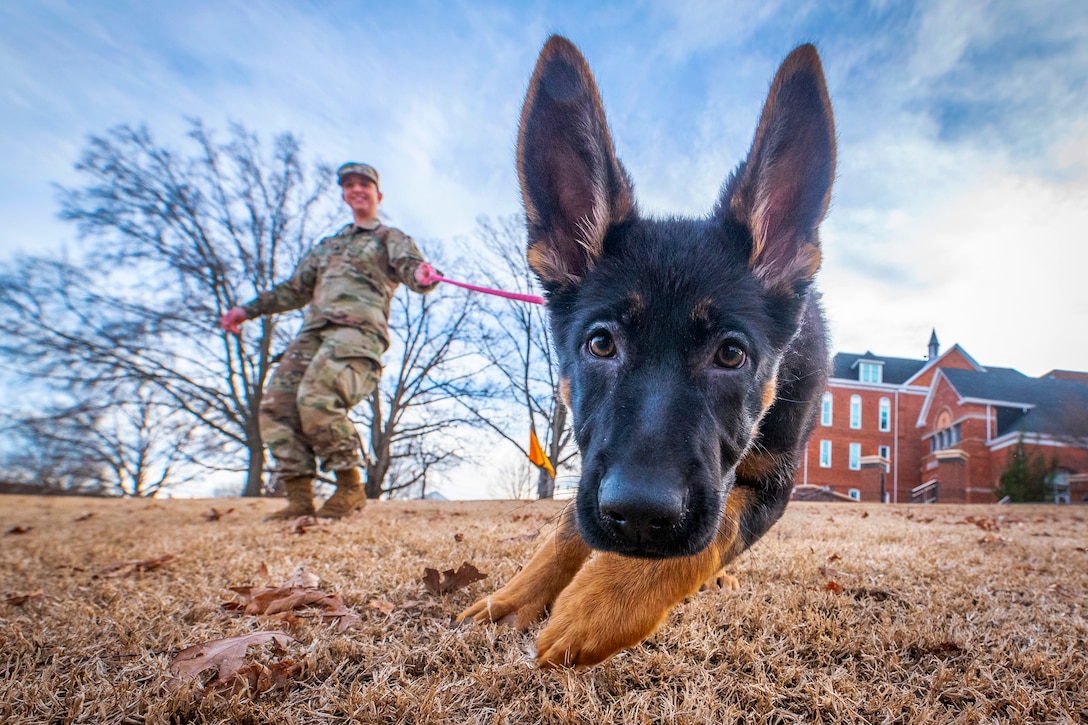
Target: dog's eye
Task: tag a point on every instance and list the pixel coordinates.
(601, 344)
(730, 356)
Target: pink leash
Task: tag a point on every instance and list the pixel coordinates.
(488, 291)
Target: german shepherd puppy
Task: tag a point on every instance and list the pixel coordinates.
(692, 354)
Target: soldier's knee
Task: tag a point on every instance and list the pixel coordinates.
(357, 380)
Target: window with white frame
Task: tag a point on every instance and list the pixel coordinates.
(1060, 483)
(870, 372)
(885, 414)
(825, 454)
(945, 438)
(886, 452)
(855, 411)
(825, 410)
(855, 456)
(855, 494)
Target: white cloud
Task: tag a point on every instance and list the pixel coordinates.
(996, 269)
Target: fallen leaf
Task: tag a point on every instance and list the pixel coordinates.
(86, 515)
(227, 657)
(833, 557)
(830, 573)
(262, 571)
(382, 606)
(984, 522)
(458, 537)
(300, 592)
(302, 523)
(18, 600)
(215, 514)
(18, 530)
(124, 568)
(303, 578)
(833, 586)
(451, 580)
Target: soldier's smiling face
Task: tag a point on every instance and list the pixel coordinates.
(362, 195)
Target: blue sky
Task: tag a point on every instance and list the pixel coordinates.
(961, 201)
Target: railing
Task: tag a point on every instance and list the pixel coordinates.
(926, 493)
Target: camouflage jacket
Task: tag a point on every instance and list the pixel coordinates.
(348, 280)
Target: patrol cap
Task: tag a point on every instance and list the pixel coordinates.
(365, 170)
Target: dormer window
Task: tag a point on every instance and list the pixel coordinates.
(870, 372)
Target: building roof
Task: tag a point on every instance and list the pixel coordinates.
(1047, 401)
(897, 370)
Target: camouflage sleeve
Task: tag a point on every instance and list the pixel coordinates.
(404, 257)
(292, 294)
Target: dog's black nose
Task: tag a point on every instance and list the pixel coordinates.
(639, 511)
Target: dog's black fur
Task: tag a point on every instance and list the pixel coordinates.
(651, 317)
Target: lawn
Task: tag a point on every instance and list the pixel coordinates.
(845, 613)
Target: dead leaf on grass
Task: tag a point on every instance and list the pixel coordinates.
(986, 523)
(18, 600)
(383, 606)
(298, 593)
(451, 580)
(458, 537)
(86, 515)
(15, 530)
(302, 523)
(833, 586)
(228, 658)
(215, 514)
(131, 566)
(830, 573)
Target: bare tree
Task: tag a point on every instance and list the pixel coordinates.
(411, 418)
(514, 339)
(174, 241)
(128, 438)
(515, 479)
(36, 455)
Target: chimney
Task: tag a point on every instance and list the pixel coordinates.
(934, 346)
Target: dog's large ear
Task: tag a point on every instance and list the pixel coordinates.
(572, 185)
(782, 191)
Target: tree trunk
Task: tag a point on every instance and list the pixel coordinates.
(255, 481)
(545, 484)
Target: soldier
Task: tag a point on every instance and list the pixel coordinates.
(347, 280)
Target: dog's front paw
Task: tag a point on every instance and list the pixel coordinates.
(721, 580)
(611, 605)
(578, 637)
(516, 605)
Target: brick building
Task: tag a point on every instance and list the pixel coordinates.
(941, 429)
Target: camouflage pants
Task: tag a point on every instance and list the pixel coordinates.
(322, 375)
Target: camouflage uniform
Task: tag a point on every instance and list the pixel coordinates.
(348, 281)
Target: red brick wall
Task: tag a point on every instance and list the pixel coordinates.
(839, 477)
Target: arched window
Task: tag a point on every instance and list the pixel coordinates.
(826, 409)
(885, 414)
(855, 411)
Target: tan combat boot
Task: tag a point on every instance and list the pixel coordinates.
(350, 495)
(300, 499)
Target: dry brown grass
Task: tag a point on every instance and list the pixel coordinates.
(931, 618)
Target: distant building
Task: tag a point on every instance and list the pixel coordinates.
(941, 429)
